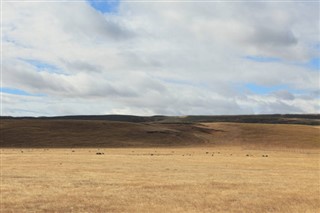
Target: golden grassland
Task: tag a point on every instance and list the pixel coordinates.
(192, 179)
(152, 167)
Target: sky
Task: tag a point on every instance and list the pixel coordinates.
(159, 58)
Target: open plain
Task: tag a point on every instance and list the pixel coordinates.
(226, 167)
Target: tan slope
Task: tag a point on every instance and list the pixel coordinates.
(265, 135)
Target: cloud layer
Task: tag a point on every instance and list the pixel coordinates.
(160, 58)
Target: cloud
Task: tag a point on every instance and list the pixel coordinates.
(284, 95)
(160, 58)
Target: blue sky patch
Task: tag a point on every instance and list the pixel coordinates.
(317, 46)
(43, 66)
(262, 59)
(314, 64)
(15, 91)
(106, 6)
(40, 65)
(263, 90)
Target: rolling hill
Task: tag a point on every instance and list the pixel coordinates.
(62, 132)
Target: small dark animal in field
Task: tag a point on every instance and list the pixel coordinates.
(265, 156)
(207, 152)
(247, 155)
(72, 150)
(99, 153)
(151, 154)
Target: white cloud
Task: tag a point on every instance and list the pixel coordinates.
(160, 58)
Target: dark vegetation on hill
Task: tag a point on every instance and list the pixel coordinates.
(88, 133)
(305, 119)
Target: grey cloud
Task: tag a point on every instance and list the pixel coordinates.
(22, 76)
(313, 95)
(272, 37)
(81, 66)
(81, 85)
(278, 107)
(284, 95)
(118, 30)
(107, 91)
(92, 24)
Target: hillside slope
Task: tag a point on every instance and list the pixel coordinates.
(44, 133)
(85, 133)
(265, 135)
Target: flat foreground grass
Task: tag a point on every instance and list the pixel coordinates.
(224, 179)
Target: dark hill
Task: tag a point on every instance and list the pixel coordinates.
(96, 133)
(80, 133)
(305, 119)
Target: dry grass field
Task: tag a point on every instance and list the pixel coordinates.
(160, 180)
(239, 168)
